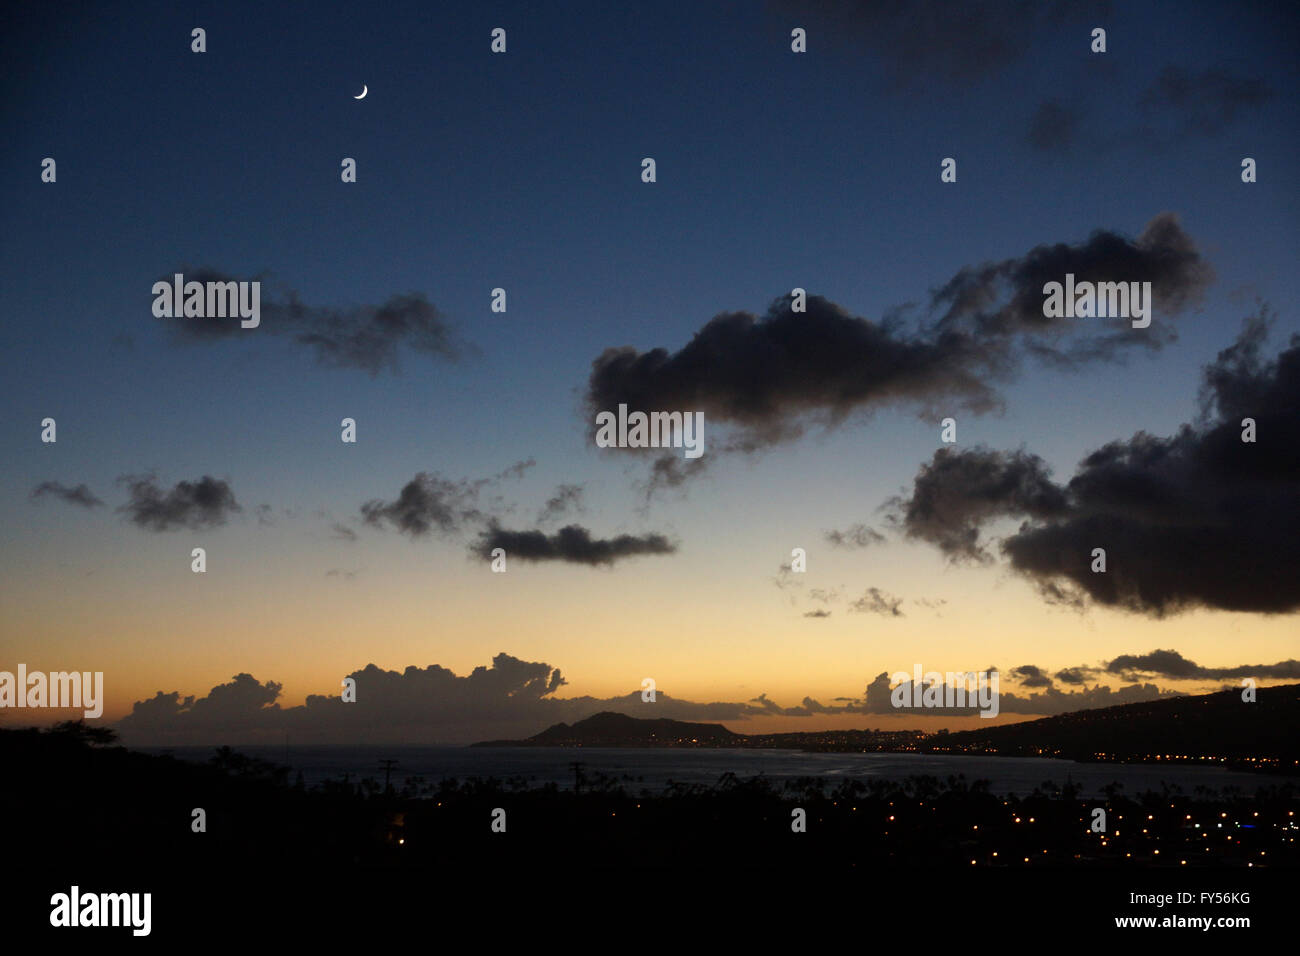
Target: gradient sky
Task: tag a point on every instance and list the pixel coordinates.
(522, 171)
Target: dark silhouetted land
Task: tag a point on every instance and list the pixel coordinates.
(1217, 729)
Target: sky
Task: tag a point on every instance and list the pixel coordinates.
(522, 170)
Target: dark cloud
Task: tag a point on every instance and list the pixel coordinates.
(572, 543)
(876, 601)
(766, 380)
(567, 499)
(1077, 675)
(342, 532)
(670, 471)
(1203, 102)
(1031, 676)
(80, 495)
(855, 536)
(1004, 298)
(765, 375)
(958, 491)
(1172, 665)
(1200, 519)
(430, 503)
(1186, 520)
(1168, 664)
(425, 504)
(369, 337)
(820, 612)
(211, 330)
(1048, 702)
(512, 698)
(241, 705)
(935, 41)
(196, 505)
(265, 516)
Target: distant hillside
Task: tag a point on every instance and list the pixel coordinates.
(608, 729)
(1220, 727)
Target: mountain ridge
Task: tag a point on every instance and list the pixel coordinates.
(1214, 729)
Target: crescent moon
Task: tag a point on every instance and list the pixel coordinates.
(364, 90)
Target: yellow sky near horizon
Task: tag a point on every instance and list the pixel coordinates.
(603, 637)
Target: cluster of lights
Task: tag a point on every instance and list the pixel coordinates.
(1104, 838)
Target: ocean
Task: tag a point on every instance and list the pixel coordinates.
(654, 769)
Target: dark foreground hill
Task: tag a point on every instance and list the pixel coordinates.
(352, 855)
(1213, 728)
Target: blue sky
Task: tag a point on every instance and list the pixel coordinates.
(522, 171)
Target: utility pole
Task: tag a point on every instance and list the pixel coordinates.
(388, 765)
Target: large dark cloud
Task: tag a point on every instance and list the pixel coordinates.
(80, 495)
(369, 337)
(1162, 663)
(1199, 519)
(511, 698)
(956, 492)
(196, 505)
(572, 543)
(769, 377)
(1002, 298)
(243, 704)
(764, 374)
(1172, 665)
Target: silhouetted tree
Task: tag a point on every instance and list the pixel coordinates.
(81, 731)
